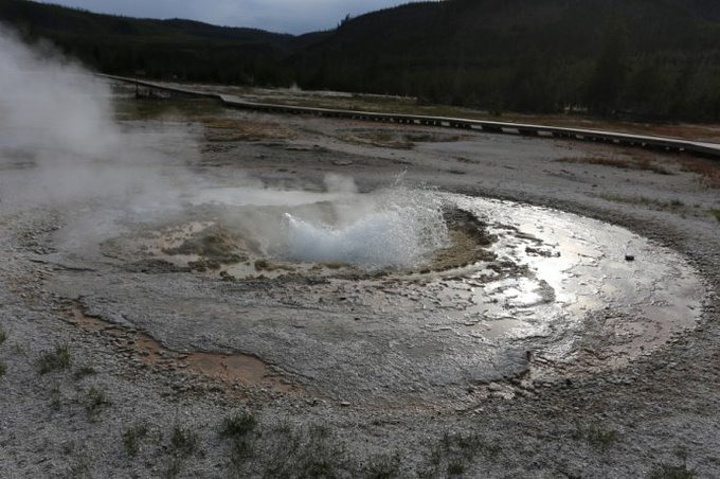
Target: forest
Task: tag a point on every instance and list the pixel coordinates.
(647, 60)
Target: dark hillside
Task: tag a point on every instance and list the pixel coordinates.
(643, 59)
(181, 49)
(653, 59)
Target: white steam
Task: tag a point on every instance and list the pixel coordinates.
(57, 120)
(60, 146)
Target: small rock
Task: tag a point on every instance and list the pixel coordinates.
(629, 257)
(345, 404)
(507, 395)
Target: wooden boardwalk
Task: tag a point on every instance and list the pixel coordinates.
(711, 150)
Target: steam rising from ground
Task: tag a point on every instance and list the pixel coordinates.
(60, 146)
(58, 120)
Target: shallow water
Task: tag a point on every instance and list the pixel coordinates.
(556, 286)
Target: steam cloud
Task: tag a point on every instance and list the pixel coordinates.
(61, 146)
(57, 119)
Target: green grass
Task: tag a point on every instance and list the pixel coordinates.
(55, 360)
(715, 212)
(3, 335)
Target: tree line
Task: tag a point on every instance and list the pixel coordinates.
(653, 60)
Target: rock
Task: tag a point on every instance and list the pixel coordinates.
(494, 387)
(629, 257)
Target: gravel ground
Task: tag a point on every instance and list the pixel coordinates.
(91, 386)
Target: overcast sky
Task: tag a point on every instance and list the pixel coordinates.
(282, 16)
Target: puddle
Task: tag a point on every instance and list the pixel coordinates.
(231, 369)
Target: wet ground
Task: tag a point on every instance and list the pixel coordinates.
(566, 329)
(525, 292)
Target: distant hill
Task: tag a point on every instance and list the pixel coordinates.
(174, 48)
(645, 59)
(654, 59)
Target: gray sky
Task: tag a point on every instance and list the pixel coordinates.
(282, 16)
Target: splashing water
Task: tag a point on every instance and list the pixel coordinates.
(402, 232)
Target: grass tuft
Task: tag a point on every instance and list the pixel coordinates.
(238, 425)
(455, 453)
(132, 438)
(55, 360)
(239, 428)
(667, 471)
(715, 212)
(83, 372)
(97, 400)
(312, 451)
(184, 442)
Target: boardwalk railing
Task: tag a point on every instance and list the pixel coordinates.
(650, 142)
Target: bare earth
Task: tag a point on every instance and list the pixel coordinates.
(166, 342)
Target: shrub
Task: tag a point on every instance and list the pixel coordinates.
(238, 425)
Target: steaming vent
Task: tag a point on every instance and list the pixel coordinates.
(385, 239)
(292, 233)
(403, 236)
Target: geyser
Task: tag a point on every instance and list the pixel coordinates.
(402, 232)
(384, 239)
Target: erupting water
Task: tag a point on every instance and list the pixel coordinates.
(402, 233)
